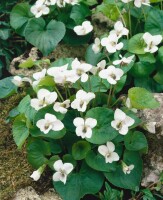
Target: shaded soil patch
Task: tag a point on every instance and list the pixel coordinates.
(14, 168)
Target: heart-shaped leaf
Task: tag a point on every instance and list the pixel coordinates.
(87, 181)
(127, 181)
(103, 131)
(44, 37)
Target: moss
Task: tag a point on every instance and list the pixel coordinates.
(14, 168)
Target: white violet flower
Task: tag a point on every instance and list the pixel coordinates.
(124, 60)
(108, 152)
(122, 122)
(138, 3)
(82, 100)
(72, 2)
(81, 69)
(37, 173)
(119, 29)
(100, 66)
(44, 98)
(84, 126)
(96, 47)
(39, 9)
(62, 171)
(112, 74)
(83, 29)
(152, 41)
(111, 43)
(49, 123)
(128, 105)
(62, 107)
(38, 76)
(19, 81)
(150, 127)
(127, 169)
(126, 1)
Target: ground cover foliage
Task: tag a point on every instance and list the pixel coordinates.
(79, 117)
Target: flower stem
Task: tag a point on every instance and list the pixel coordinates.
(59, 94)
(120, 14)
(109, 97)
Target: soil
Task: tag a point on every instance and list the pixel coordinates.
(14, 169)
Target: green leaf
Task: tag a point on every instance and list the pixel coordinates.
(127, 181)
(158, 77)
(160, 54)
(27, 64)
(141, 98)
(25, 108)
(87, 181)
(135, 141)
(109, 10)
(44, 37)
(67, 158)
(136, 44)
(37, 151)
(20, 130)
(35, 132)
(154, 23)
(75, 40)
(46, 81)
(103, 131)
(148, 57)
(142, 69)
(52, 160)
(91, 57)
(4, 34)
(61, 62)
(98, 163)
(120, 84)
(7, 88)
(80, 149)
(20, 16)
(79, 13)
(94, 84)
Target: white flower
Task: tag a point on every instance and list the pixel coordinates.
(108, 152)
(100, 66)
(18, 81)
(49, 123)
(152, 41)
(127, 169)
(111, 43)
(50, 2)
(123, 60)
(150, 127)
(121, 122)
(62, 171)
(83, 29)
(44, 98)
(84, 126)
(119, 29)
(82, 100)
(62, 107)
(38, 76)
(128, 105)
(72, 2)
(112, 74)
(36, 175)
(81, 69)
(126, 1)
(138, 3)
(62, 75)
(39, 9)
(96, 47)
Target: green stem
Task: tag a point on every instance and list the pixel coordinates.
(120, 14)
(109, 97)
(100, 85)
(129, 18)
(143, 12)
(89, 81)
(59, 94)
